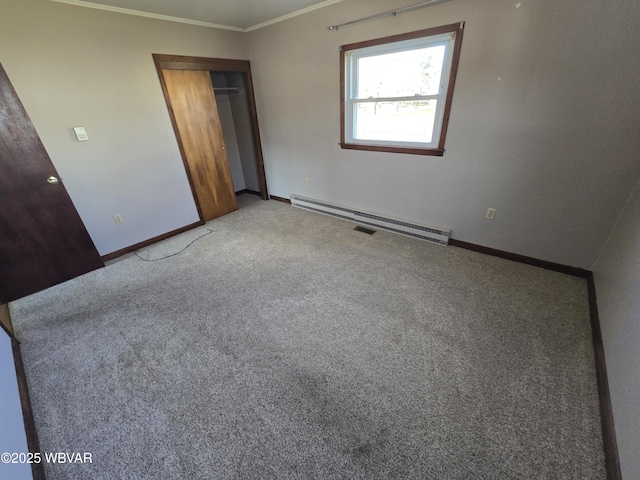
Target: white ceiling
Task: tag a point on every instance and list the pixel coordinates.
(241, 15)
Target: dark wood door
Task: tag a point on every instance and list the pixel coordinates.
(43, 241)
(197, 124)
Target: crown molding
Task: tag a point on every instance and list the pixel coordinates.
(293, 14)
(156, 16)
(168, 18)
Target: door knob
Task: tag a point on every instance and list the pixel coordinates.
(52, 180)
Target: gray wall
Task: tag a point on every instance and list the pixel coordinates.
(78, 66)
(617, 276)
(551, 144)
(543, 125)
(12, 435)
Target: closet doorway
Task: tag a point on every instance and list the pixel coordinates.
(212, 108)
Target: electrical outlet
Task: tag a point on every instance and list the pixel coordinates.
(305, 180)
(117, 218)
(491, 213)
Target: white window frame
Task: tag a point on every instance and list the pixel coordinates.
(450, 36)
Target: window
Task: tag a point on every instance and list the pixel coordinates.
(397, 91)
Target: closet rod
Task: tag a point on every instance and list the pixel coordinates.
(387, 14)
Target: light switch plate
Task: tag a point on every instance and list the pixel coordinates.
(81, 134)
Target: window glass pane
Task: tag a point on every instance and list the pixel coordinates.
(410, 121)
(408, 73)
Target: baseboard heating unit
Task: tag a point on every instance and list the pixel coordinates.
(403, 227)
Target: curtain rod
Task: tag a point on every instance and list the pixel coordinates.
(387, 14)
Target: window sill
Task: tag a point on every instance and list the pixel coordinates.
(434, 152)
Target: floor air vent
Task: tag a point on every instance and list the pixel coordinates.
(403, 227)
(366, 230)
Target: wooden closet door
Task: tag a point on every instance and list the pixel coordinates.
(195, 115)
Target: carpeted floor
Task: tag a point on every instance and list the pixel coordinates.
(286, 345)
